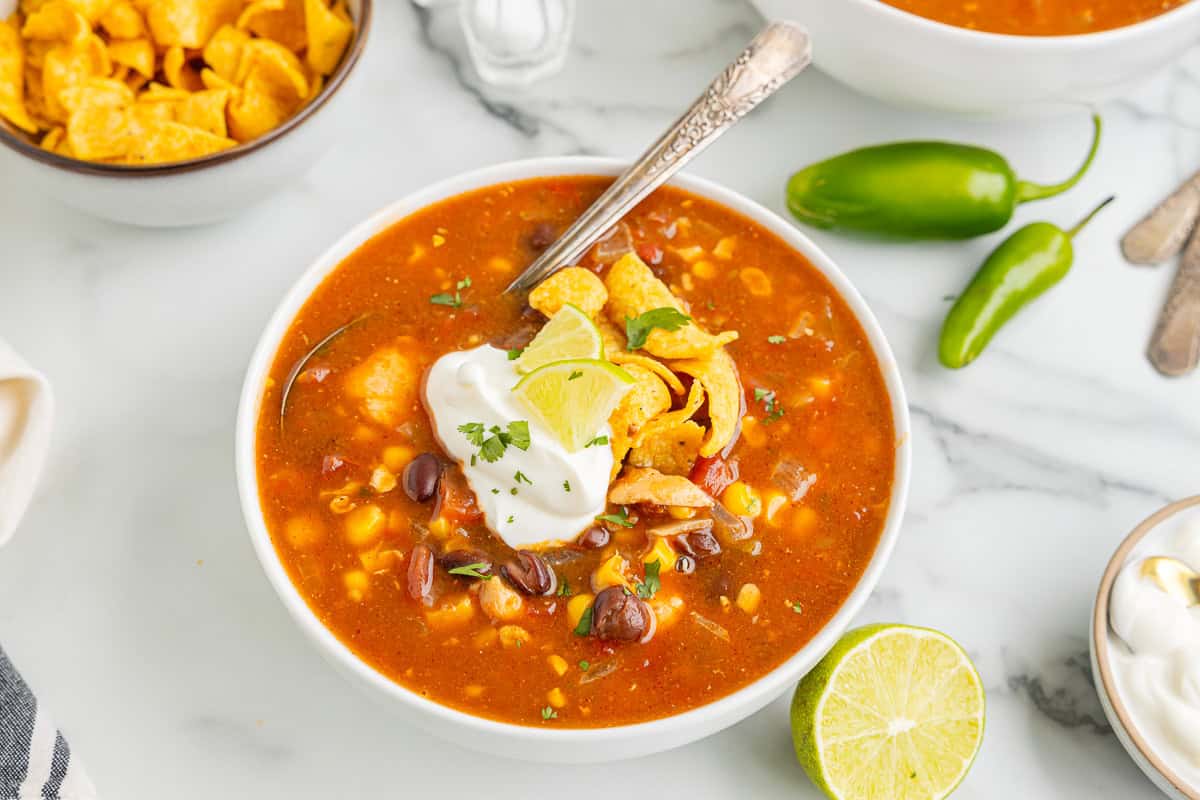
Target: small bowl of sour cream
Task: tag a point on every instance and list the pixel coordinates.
(1145, 647)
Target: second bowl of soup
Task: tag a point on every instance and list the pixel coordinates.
(603, 519)
(1003, 58)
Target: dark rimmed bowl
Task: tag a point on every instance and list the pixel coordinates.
(201, 190)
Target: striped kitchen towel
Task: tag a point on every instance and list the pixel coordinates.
(35, 760)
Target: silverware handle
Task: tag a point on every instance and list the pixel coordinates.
(1163, 232)
(1175, 346)
(775, 56)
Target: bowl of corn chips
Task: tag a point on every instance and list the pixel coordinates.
(172, 112)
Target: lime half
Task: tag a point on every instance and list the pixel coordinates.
(891, 713)
(575, 398)
(568, 334)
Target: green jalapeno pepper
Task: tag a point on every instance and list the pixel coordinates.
(1019, 271)
(919, 190)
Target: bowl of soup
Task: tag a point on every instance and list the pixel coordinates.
(450, 522)
(1002, 57)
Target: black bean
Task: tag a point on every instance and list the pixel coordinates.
(685, 565)
(420, 477)
(420, 573)
(619, 616)
(699, 544)
(457, 559)
(595, 537)
(542, 236)
(528, 573)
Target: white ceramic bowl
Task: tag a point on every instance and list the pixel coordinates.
(202, 190)
(1102, 645)
(541, 744)
(909, 60)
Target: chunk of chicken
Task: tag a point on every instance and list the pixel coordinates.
(386, 383)
(645, 485)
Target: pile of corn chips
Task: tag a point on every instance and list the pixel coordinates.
(156, 81)
(645, 428)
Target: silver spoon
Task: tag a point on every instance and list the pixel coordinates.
(779, 53)
(1175, 345)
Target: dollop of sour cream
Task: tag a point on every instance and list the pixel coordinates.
(537, 496)
(1159, 674)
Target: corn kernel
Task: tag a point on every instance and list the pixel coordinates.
(667, 611)
(418, 252)
(820, 386)
(364, 526)
(774, 501)
(357, 583)
(558, 664)
(690, 254)
(438, 240)
(397, 456)
(513, 636)
(380, 560)
(748, 598)
(681, 512)
(804, 520)
(663, 553)
(755, 281)
(610, 573)
(363, 433)
(556, 698)
(724, 248)
(753, 432)
(575, 608)
(741, 499)
(474, 691)
(452, 613)
(440, 528)
(499, 264)
(724, 602)
(704, 269)
(485, 638)
(304, 532)
(687, 282)
(398, 521)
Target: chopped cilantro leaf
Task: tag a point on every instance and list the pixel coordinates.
(510, 519)
(492, 448)
(761, 394)
(599, 440)
(566, 486)
(776, 339)
(574, 374)
(637, 329)
(521, 476)
(447, 299)
(770, 404)
(797, 607)
(549, 713)
(515, 353)
(621, 519)
(513, 491)
(585, 623)
(584, 665)
(564, 587)
(472, 459)
(465, 283)
(649, 587)
(495, 491)
(518, 434)
(476, 570)
(473, 431)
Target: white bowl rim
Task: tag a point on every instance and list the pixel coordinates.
(752, 696)
(1105, 680)
(1011, 41)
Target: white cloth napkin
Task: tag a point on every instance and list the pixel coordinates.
(26, 408)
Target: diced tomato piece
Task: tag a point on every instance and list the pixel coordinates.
(714, 474)
(652, 254)
(456, 502)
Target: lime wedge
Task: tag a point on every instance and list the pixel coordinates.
(568, 334)
(891, 713)
(575, 398)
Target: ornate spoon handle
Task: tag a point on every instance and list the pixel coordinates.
(1175, 346)
(1163, 232)
(771, 59)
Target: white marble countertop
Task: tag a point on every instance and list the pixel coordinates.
(131, 598)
